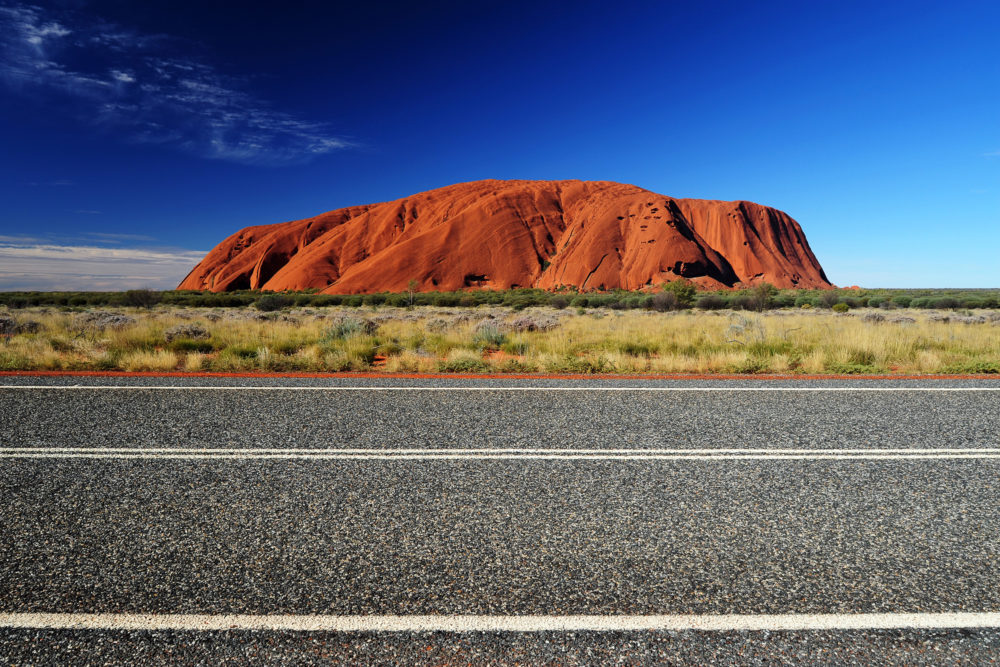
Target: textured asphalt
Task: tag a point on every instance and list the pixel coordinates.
(508, 537)
(432, 419)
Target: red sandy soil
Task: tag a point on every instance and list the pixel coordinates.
(507, 234)
(487, 376)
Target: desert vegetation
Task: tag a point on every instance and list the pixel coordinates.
(677, 295)
(667, 337)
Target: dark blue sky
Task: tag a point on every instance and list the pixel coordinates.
(133, 133)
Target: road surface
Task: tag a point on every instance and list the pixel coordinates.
(207, 520)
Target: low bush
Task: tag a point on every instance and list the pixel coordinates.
(9, 326)
(711, 302)
(536, 323)
(488, 336)
(853, 369)
(516, 366)
(137, 298)
(902, 301)
(241, 351)
(463, 366)
(975, 368)
(751, 365)
(99, 321)
(684, 292)
(559, 302)
(665, 301)
(638, 348)
(190, 345)
(272, 302)
(579, 365)
(829, 298)
(804, 300)
(350, 326)
(515, 347)
(946, 302)
(191, 331)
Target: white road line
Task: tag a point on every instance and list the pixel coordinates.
(487, 389)
(497, 454)
(470, 623)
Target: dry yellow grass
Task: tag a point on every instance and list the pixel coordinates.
(488, 339)
(157, 360)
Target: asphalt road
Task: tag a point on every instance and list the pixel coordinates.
(545, 502)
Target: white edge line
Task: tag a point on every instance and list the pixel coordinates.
(485, 623)
(499, 450)
(487, 389)
(455, 457)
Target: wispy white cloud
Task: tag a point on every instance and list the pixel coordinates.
(992, 154)
(132, 84)
(117, 238)
(21, 239)
(47, 266)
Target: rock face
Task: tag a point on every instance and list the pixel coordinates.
(506, 234)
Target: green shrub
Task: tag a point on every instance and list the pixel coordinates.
(841, 307)
(683, 291)
(397, 300)
(579, 365)
(141, 298)
(190, 345)
(944, 303)
(516, 366)
(854, 369)
(188, 331)
(902, 301)
(751, 365)
(805, 300)
(829, 298)
(349, 326)
(744, 302)
(390, 349)
(975, 368)
(515, 347)
(272, 302)
(638, 348)
(286, 346)
(463, 366)
(326, 300)
(711, 302)
(488, 336)
(783, 300)
(665, 301)
(559, 302)
(241, 351)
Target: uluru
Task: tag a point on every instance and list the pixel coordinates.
(503, 234)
